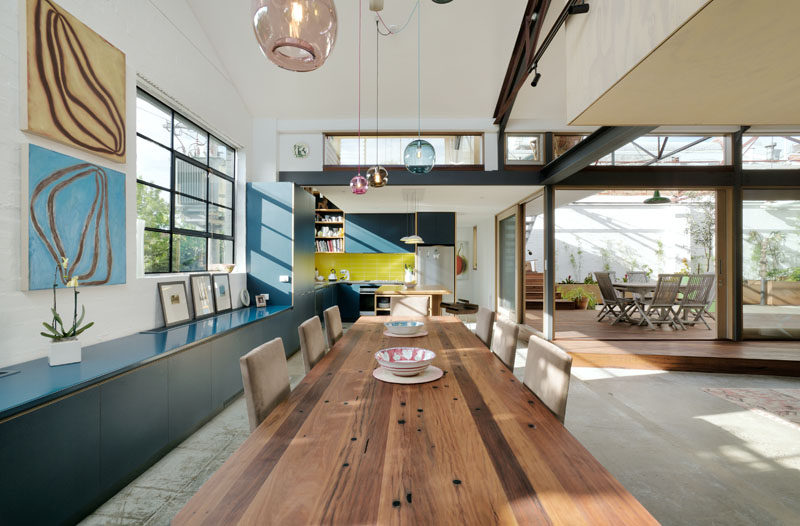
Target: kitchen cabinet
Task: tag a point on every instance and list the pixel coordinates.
(437, 228)
(378, 233)
(348, 301)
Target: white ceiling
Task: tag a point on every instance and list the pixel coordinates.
(466, 46)
(474, 200)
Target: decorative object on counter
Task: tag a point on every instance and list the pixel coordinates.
(409, 276)
(174, 304)
(419, 156)
(317, 276)
(300, 150)
(332, 275)
(244, 296)
(345, 274)
(377, 175)
(75, 83)
(75, 210)
(261, 300)
(64, 345)
(202, 295)
(359, 184)
(222, 292)
(222, 267)
(297, 35)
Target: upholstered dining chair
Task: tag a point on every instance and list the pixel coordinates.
(485, 325)
(547, 373)
(409, 305)
(504, 342)
(333, 325)
(265, 377)
(312, 342)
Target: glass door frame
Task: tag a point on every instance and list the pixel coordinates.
(516, 211)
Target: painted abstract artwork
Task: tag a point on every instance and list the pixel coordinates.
(76, 210)
(76, 83)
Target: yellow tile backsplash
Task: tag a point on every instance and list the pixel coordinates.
(364, 267)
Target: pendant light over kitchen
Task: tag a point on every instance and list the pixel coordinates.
(377, 174)
(419, 156)
(412, 239)
(297, 35)
(359, 184)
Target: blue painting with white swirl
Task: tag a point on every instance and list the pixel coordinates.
(76, 210)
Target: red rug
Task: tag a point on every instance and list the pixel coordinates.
(782, 405)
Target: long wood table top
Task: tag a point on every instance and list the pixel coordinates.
(474, 447)
(402, 290)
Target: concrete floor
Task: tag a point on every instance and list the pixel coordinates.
(688, 456)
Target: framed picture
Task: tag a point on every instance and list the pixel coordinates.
(222, 292)
(261, 300)
(202, 295)
(174, 303)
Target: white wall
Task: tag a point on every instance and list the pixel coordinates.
(480, 286)
(164, 44)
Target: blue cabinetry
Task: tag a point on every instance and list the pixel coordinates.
(348, 301)
(437, 228)
(378, 233)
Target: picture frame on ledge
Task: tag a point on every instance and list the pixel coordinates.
(222, 292)
(174, 302)
(261, 300)
(202, 295)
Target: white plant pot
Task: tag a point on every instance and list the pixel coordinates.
(65, 351)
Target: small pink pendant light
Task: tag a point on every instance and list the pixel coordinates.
(297, 35)
(359, 184)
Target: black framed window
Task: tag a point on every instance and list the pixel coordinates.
(185, 191)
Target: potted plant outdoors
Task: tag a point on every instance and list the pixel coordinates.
(583, 299)
(64, 346)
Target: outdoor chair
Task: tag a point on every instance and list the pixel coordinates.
(638, 276)
(696, 299)
(614, 304)
(660, 309)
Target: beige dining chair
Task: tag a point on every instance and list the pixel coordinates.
(333, 325)
(265, 377)
(312, 342)
(547, 373)
(485, 325)
(409, 305)
(504, 342)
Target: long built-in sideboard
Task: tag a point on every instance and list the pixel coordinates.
(72, 436)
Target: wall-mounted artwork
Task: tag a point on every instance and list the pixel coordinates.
(76, 83)
(73, 210)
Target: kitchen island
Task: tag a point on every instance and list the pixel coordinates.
(383, 296)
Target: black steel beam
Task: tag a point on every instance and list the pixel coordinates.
(401, 177)
(549, 304)
(602, 142)
(665, 177)
(738, 234)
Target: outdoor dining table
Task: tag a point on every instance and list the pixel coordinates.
(473, 447)
(640, 290)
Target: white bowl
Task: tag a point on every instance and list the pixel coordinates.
(405, 361)
(404, 328)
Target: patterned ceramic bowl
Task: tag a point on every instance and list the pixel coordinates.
(405, 361)
(404, 328)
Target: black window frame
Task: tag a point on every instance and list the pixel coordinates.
(174, 156)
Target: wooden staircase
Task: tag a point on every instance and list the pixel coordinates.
(534, 293)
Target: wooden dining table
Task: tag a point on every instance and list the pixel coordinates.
(473, 447)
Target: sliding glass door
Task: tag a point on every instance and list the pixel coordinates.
(771, 264)
(509, 265)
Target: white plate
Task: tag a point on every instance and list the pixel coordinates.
(245, 297)
(393, 335)
(428, 375)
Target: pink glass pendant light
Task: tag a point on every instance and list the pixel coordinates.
(359, 184)
(297, 35)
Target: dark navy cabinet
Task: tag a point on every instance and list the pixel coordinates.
(377, 233)
(437, 228)
(348, 301)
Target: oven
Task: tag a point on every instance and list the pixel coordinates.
(366, 299)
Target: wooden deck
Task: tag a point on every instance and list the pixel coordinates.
(594, 344)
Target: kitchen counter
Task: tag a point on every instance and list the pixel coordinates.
(320, 284)
(434, 291)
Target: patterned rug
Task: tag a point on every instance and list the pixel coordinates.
(781, 405)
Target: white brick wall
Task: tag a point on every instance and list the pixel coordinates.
(182, 63)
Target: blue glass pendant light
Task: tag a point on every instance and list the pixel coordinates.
(419, 156)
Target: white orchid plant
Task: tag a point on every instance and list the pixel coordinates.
(56, 330)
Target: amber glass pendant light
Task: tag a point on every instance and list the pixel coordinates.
(377, 174)
(297, 35)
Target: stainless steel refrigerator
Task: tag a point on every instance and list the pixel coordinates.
(436, 265)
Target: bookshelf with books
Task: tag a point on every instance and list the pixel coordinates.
(328, 226)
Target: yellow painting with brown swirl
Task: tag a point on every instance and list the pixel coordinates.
(76, 83)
